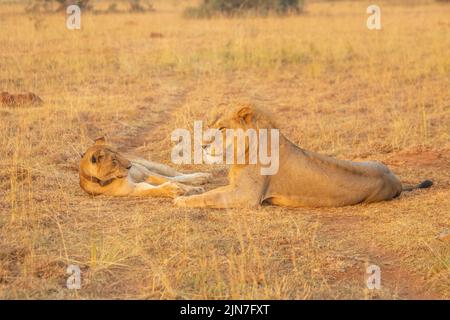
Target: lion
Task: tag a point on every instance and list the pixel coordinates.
(103, 170)
(303, 179)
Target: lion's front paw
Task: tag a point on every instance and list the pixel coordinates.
(206, 176)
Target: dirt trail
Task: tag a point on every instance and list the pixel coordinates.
(153, 114)
(397, 278)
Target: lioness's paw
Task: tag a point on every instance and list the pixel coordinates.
(206, 176)
(175, 190)
(194, 190)
(201, 177)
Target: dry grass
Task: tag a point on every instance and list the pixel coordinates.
(335, 87)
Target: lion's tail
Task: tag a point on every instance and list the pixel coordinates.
(423, 185)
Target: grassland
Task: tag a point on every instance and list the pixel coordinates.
(334, 86)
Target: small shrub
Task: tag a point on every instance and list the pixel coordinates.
(83, 4)
(137, 6)
(48, 5)
(86, 5)
(235, 7)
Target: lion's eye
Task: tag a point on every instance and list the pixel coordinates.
(93, 159)
(221, 128)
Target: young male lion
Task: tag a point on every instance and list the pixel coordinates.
(303, 178)
(103, 170)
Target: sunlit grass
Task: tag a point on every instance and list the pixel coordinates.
(334, 86)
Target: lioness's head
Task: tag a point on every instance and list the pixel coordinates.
(241, 129)
(101, 163)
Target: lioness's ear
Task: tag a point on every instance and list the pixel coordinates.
(100, 140)
(245, 113)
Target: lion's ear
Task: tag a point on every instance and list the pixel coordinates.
(100, 140)
(245, 113)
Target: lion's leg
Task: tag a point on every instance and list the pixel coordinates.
(159, 168)
(159, 173)
(141, 173)
(156, 179)
(168, 190)
(223, 197)
(386, 188)
(193, 178)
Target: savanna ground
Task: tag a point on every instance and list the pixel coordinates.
(334, 86)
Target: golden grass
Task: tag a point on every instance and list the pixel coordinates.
(334, 86)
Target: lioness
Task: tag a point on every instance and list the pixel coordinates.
(304, 178)
(103, 170)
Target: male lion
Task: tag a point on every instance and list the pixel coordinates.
(103, 170)
(303, 179)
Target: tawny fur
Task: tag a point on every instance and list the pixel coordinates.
(103, 170)
(304, 178)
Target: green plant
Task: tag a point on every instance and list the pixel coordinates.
(235, 7)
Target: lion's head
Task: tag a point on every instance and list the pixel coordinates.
(239, 130)
(102, 164)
